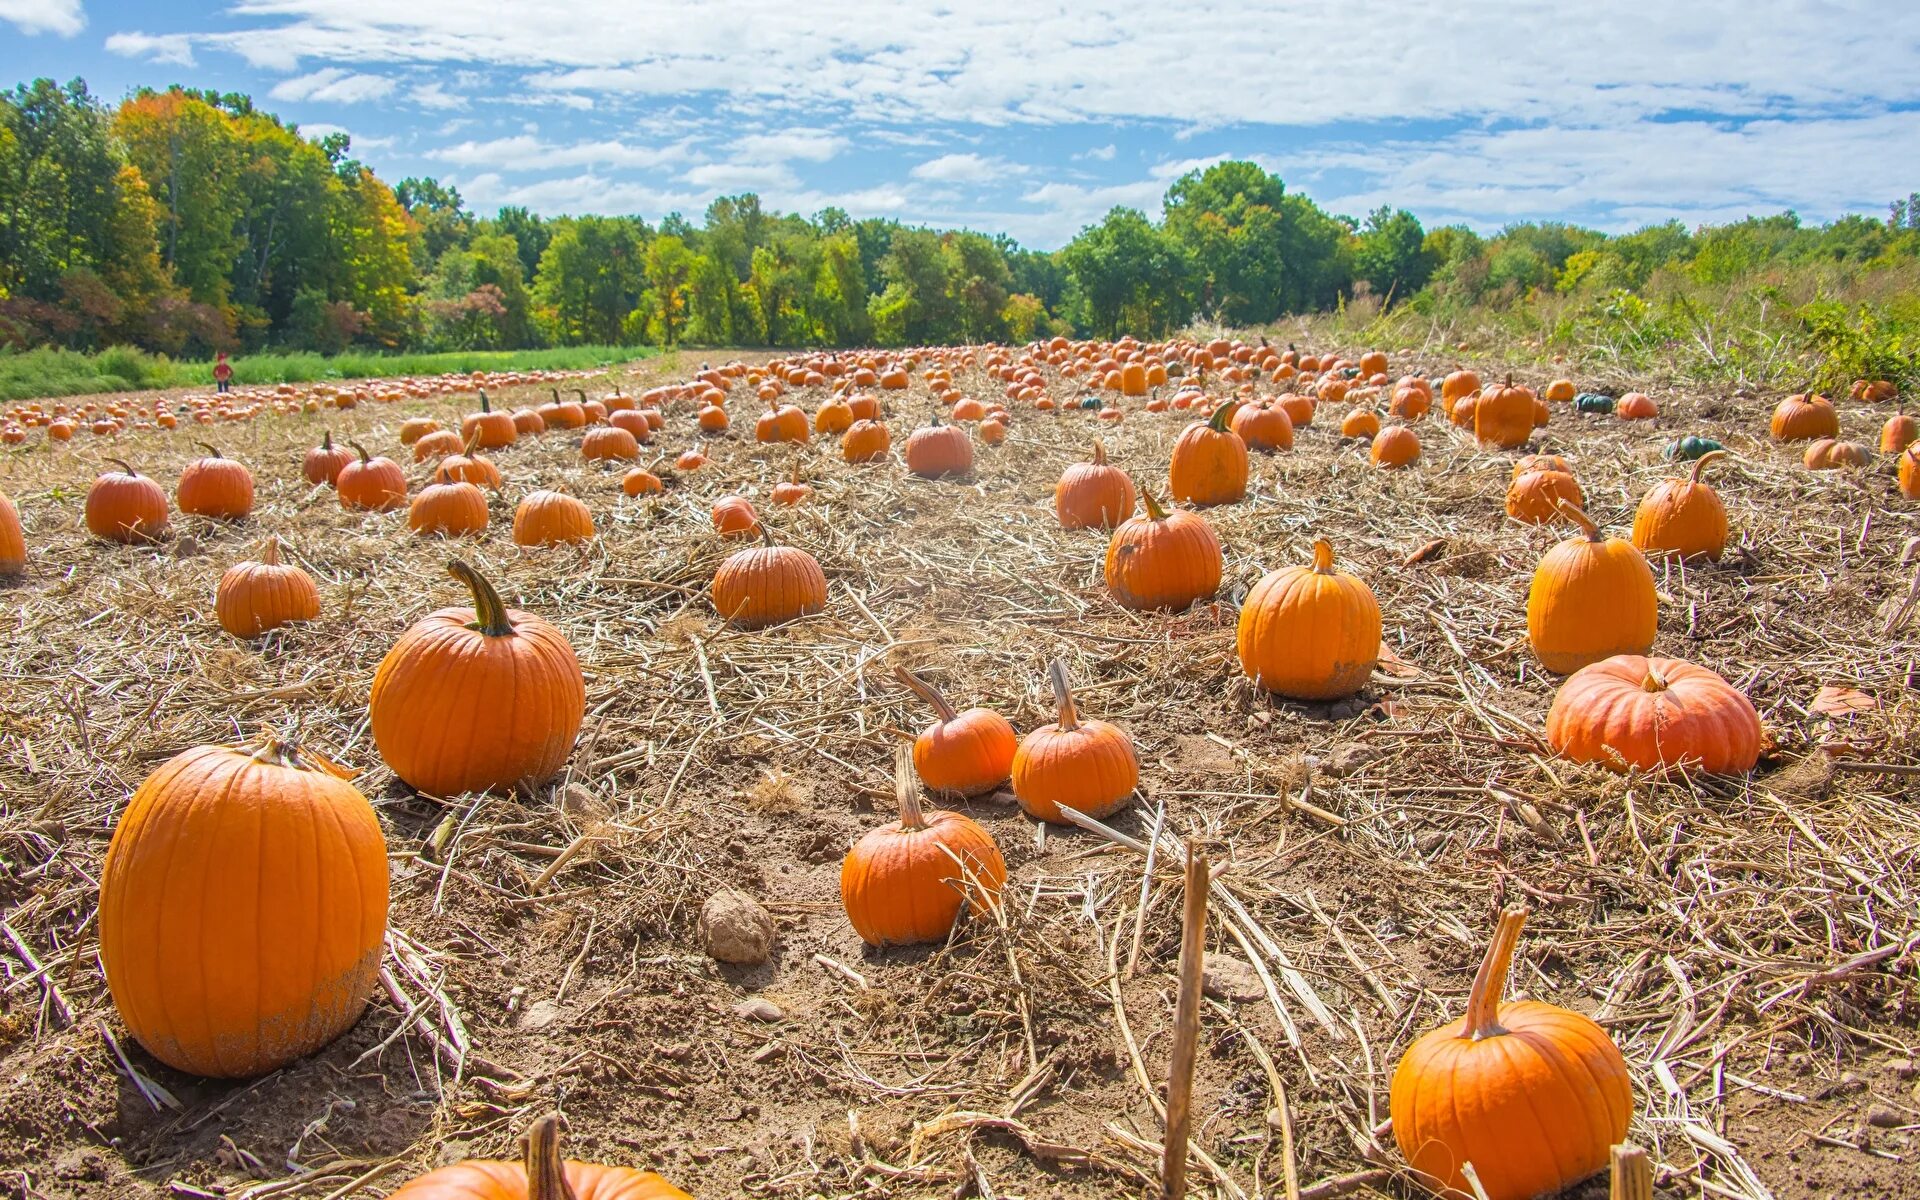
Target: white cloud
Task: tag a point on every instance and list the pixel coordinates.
(62, 17)
(334, 85)
(175, 48)
(434, 95)
(966, 168)
(527, 152)
(742, 177)
(787, 145)
(1100, 153)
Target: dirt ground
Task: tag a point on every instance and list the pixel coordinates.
(1750, 943)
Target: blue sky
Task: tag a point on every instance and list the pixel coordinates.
(1034, 119)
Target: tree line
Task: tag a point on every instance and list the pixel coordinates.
(185, 221)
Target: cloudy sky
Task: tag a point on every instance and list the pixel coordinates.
(1035, 118)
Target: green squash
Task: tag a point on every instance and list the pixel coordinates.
(1593, 402)
(1090, 402)
(1692, 446)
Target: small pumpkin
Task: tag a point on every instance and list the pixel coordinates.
(1683, 516)
(834, 415)
(469, 467)
(1162, 560)
(1534, 497)
(967, 753)
(448, 510)
(528, 423)
(1457, 386)
(768, 585)
(610, 443)
(477, 699)
(1560, 391)
(1828, 454)
(540, 1175)
(549, 518)
(865, 441)
(1360, 423)
(375, 484)
(561, 414)
(1636, 406)
(1503, 416)
(438, 444)
(215, 487)
(13, 540)
(1310, 632)
(325, 461)
(733, 516)
(1907, 474)
(243, 908)
(1898, 433)
(487, 429)
(1592, 597)
(1088, 766)
(640, 482)
(126, 506)
(1533, 1095)
(414, 428)
(792, 490)
(782, 423)
(1394, 447)
(1651, 713)
(1209, 464)
(936, 451)
(906, 882)
(1804, 417)
(691, 459)
(1093, 494)
(254, 597)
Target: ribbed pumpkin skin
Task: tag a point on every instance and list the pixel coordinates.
(254, 597)
(375, 484)
(733, 516)
(215, 487)
(1209, 462)
(970, 754)
(1093, 495)
(13, 541)
(242, 911)
(1395, 447)
(1265, 428)
(448, 509)
(1615, 712)
(934, 451)
(1590, 600)
(457, 710)
(1535, 496)
(124, 507)
(1908, 474)
(476, 469)
(610, 443)
(865, 441)
(1803, 417)
(768, 585)
(1503, 416)
(545, 518)
(1682, 516)
(482, 1179)
(325, 462)
(900, 886)
(1310, 632)
(1090, 768)
(437, 444)
(783, 424)
(1163, 561)
(1898, 433)
(487, 429)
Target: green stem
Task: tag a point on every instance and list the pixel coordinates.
(490, 614)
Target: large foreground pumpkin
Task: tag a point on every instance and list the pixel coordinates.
(1310, 632)
(1533, 1095)
(471, 699)
(540, 1175)
(906, 881)
(242, 909)
(1630, 711)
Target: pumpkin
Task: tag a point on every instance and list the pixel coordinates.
(486, 429)
(254, 597)
(414, 428)
(993, 430)
(561, 414)
(733, 516)
(1533, 1095)
(768, 585)
(1309, 632)
(712, 419)
(215, 487)
(1093, 494)
(474, 699)
(1560, 391)
(610, 443)
(1411, 403)
(1360, 423)
(1907, 475)
(1088, 766)
(785, 423)
(792, 490)
(1874, 391)
(1593, 403)
(1394, 447)
(1534, 497)
(833, 416)
(1636, 406)
(1803, 417)
(1263, 427)
(325, 461)
(633, 421)
(967, 753)
(1827, 454)
(865, 441)
(1162, 560)
(438, 444)
(691, 459)
(1542, 462)
(1592, 597)
(243, 909)
(1683, 516)
(472, 467)
(905, 882)
(528, 423)
(1373, 362)
(1503, 416)
(126, 506)
(1648, 713)
(449, 510)
(13, 541)
(1299, 409)
(540, 1175)
(1898, 433)
(640, 482)
(1462, 414)
(1457, 386)
(934, 451)
(1209, 463)
(1690, 447)
(377, 484)
(549, 518)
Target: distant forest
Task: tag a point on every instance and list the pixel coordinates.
(183, 222)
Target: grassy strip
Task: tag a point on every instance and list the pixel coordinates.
(52, 372)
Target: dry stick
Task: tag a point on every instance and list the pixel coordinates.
(1632, 1177)
(1186, 1028)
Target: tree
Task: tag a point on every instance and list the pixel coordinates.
(710, 302)
(437, 210)
(591, 277)
(1391, 253)
(1126, 269)
(187, 152)
(1228, 222)
(669, 264)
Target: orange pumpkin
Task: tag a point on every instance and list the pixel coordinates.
(1534, 497)
(325, 461)
(126, 506)
(1828, 454)
(1592, 597)
(477, 699)
(243, 909)
(833, 416)
(1162, 560)
(1898, 433)
(487, 429)
(768, 585)
(610, 443)
(906, 882)
(215, 487)
(1458, 385)
(438, 444)
(528, 423)
(1636, 406)
(254, 597)
(865, 441)
(1803, 417)
(1395, 447)
(13, 541)
(640, 482)
(472, 467)
(1310, 632)
(448, 510)
(1093, 494)
(967, 753)
(733, 516)
(1683, 516)
(1561, 391)
(1360, 423)
(1263, 427)
(1088, 766)
(1650, 713)
(1533, 1095)
(784, 423)
(1907, 475)
(414, 428)
(376, 484)
(1209, 463)
(1503, 415)
(540, 1175)
(936, 451)
(549, 518)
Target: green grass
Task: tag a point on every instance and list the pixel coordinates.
(44, 371)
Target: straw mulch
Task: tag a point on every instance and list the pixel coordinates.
(1750, 943)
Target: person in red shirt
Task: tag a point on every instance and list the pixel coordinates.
(222, 373)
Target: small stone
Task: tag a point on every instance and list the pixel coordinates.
(186, 547)
(757, 1009)
(1346, 759)
(735, 928)
(1903, 1068)
(1226, 977)
(1881, 1117)
(539, 1015)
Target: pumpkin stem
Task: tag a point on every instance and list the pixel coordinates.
(1483, 1002)
(1221, 416)
(326, 439)
(270, 553)
(1322, 557)
(1632, 1174)
(1063, 695)
(209, 449)
(1099, 453)
(1699, 464)
(466, 447)
(124, 467)
(1154, 511)
(489, 612)
(546, 1173)
(582, 393)
(1655, 681)
(906, 790)
(1574, 513)
(364, 456)
(926, 692)
(485, 405)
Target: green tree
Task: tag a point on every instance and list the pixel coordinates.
(1391, 253)
(591, 277)
(669, 265)
(1127, 269)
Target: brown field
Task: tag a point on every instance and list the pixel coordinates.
(1750, 943)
